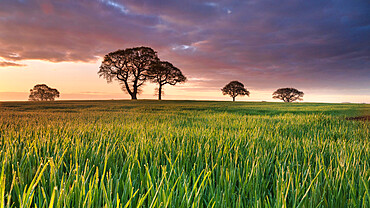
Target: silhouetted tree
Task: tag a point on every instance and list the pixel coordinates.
(41, 92)
(235, 88)
(288, 94)
(165, 73)
(130, 67)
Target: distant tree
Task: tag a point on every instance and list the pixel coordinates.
(41, 92)
(130, 67)
(288, 94)
(165, 73)
(235, 88)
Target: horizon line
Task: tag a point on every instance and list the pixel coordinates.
(200, 100)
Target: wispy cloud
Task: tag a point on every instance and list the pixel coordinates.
(116, 5)
(7, 63)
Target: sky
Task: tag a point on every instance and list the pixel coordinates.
(321, 47)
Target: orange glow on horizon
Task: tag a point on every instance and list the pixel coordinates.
(81, 81)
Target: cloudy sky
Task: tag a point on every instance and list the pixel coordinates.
(321, 47)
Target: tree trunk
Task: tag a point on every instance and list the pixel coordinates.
(160, 92)
(133, 96)
(233, 99)
(134, 93)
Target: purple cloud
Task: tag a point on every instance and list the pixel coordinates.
(266, 44)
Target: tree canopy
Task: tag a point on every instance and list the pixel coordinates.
(41, 92)
(165, 73)
(235, 88)
(130, 67)
(288, 94)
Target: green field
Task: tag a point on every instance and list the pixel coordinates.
(183, 154)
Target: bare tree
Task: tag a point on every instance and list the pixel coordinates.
(41, 92)
(165, 73)
(235, 88)
(288, 94)
(130, 67)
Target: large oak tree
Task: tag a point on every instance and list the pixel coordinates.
(42, 92)
(235, 88)
(165, 73)
(130, 67)
(288, 94)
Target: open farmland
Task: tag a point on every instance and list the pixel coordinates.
(183, 154)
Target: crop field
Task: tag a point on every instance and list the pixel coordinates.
(183, 154)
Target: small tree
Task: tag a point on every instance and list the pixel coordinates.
(165, 73)
(235, 88)
(130, 67)
(288, 94)
(41, 92)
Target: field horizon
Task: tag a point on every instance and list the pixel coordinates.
(185, 100)
(361, 109)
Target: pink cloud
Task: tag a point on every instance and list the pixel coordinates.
(263, 43)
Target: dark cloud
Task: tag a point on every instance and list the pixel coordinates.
(265, 43)
(7, 63)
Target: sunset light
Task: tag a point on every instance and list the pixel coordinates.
(185, 103)
(321, 48)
